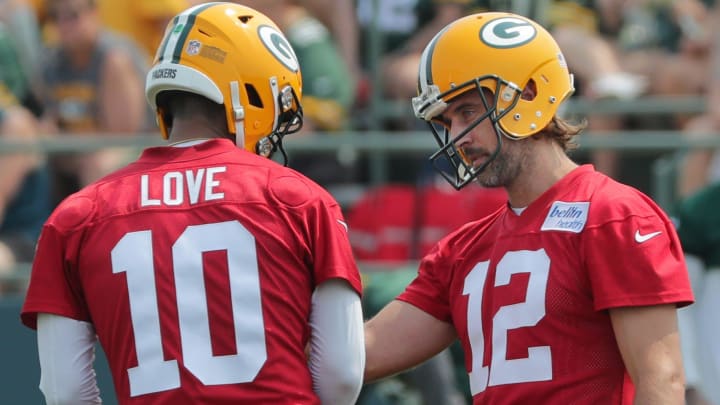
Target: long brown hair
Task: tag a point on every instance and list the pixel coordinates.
(564, 132)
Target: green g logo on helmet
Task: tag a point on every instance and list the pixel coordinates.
(507, 32)
(279, 47)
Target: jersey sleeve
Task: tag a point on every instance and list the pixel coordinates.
(429, 290)
(332, 254)
(52, 288)
(634, 258)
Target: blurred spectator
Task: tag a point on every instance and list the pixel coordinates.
(94, 82)
(405, 27)
(666, 41)
(701, 167)
(19, 17)
(24, 183)
(337, 16)
(393, 34)
(622, 49)
(142, 21)
(328, 88)
(14, 75)
(340, 18)
(698, 223)
(595, 61)
(593, 58)
(24, 190)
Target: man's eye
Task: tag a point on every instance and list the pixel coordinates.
(467, 114)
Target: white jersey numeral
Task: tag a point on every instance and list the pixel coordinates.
(133, 255)
(537, 366)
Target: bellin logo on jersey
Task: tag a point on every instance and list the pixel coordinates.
(507, 32)
(280, 48)
(566, 216)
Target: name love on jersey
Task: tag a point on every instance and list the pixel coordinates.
(178, 187)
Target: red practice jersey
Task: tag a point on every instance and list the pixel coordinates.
(196, 266)
(528, 294)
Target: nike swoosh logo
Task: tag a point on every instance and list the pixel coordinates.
(343, 224)
(643, 238)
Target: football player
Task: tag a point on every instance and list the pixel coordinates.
(569, 292)
(205, 268)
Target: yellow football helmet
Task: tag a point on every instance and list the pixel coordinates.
(500, 52)
(237, 57)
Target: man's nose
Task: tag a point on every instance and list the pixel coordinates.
(463, 140)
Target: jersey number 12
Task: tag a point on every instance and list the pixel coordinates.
(537, 366)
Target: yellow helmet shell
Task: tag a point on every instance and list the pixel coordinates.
(503, 52)
(233, 55)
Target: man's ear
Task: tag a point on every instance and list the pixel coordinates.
(530, 91)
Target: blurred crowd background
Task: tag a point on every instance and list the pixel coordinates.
(647, 72)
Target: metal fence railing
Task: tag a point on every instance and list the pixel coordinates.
(383, 145)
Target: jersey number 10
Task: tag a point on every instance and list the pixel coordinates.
(133, 255)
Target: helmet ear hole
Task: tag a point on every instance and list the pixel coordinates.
(530, 91)
(253, 96)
